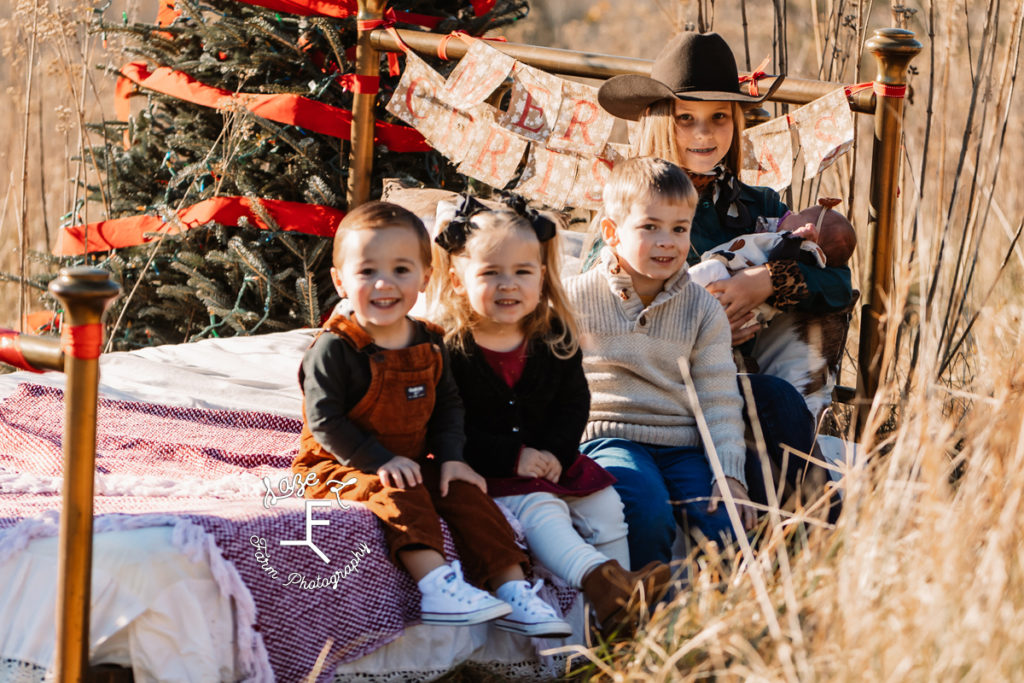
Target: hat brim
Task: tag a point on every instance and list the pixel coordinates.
(628, 96)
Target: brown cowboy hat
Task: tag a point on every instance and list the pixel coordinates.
(693, 66)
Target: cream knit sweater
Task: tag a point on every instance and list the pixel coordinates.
(630, 355)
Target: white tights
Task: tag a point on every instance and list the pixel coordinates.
(572, 535)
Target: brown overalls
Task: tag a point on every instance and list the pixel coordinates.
(396, 410)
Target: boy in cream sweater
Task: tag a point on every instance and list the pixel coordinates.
(639, 313)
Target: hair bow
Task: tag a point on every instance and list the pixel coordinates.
(541, 224)
(454, 236)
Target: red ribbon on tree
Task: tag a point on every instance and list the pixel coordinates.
(360, 85)
(482, 7)
(340, 9)
(293, 110)
(116, 233)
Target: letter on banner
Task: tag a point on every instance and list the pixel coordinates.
(415, 99)
(591, 175)
(825, 127)
(533, 108)
(768, 155)
(449, 132)
(493, 154)
(548, 176)
(476, 75)
(582, 126)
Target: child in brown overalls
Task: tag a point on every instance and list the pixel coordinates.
(378, 397)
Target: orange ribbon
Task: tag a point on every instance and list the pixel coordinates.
(310, 219)
(757, 74)
(387, 23)
(292, 110)
(10, 351)
(442, 47)
(880, 89)
(885, 90)
(82, 341)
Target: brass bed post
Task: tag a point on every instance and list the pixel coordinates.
(893, 49)
(360, 163)
(85, 293)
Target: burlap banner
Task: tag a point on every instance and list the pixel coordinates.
(582, 125)
(548, 177)
(591, 175)
(476, 76)
(768, 155)
(533, 107)
(567, 132)
(416, 98)
(493, 154)
(825, 129)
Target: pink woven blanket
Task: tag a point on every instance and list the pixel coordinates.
(213, 468)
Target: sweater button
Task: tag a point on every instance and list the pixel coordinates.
(643, 320)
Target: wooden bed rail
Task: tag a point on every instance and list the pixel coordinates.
(893, 49)
(85, 293)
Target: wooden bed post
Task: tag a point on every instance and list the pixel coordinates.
(893, 49)
(85, 293)
(360, 161)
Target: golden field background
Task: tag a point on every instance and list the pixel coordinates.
(922, 579)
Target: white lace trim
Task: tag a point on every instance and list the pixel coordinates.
(525, 672)
(197, 545)
(15, 671)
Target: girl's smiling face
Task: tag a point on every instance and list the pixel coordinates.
(501, 275)
(703, 132)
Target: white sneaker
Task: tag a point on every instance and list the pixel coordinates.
(530, 615)
(448, 599)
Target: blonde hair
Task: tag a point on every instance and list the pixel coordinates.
(638, 178)
(656, 134)
(378, 216)
(552, 322)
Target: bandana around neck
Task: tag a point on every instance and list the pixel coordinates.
(723, 188)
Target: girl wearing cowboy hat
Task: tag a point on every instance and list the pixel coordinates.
(689, 111)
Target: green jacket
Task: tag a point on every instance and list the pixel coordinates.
(829, 288)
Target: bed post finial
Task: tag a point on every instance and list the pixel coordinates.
(85, 293)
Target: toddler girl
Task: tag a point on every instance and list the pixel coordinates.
(517, 363)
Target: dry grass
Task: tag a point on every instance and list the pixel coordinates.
(922, 579)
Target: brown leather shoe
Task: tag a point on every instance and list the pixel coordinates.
(619, 597)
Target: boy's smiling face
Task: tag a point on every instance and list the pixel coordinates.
(382, 273)
(651, 241)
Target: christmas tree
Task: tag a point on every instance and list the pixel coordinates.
(172, 153)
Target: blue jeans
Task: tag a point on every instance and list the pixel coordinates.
(784, 419)
(660, 486)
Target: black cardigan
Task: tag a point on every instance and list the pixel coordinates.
(547, 409)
